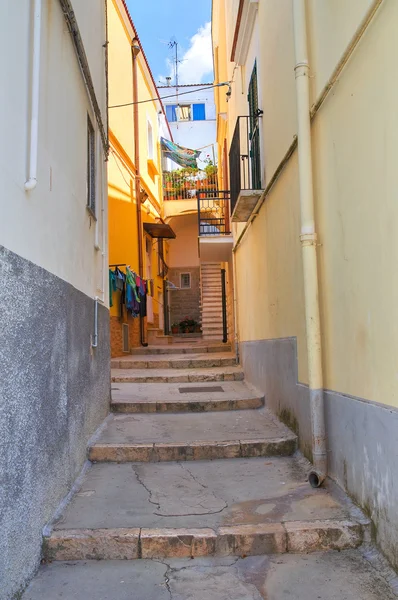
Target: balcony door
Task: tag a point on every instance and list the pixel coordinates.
(254, 131)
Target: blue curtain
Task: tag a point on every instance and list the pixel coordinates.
(199, 113)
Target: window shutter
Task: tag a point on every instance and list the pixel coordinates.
(199, 112)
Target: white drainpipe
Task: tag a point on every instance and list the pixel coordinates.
(308, 239)
(34, 122)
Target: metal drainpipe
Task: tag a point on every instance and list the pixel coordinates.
(308, 239)
(31, 183)
(135, 50)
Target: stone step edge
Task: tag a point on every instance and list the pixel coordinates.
(239, 540)
(174, 363)
(175, 349)
(237, 376)
(205, 450)
(172, 406)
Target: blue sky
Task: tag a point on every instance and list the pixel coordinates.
(187, 21)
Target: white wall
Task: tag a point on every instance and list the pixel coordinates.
(50, 225)
(194, 134)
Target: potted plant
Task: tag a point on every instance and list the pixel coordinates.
(175, 328)
(198, 328)
(184, 325)
(191, 324)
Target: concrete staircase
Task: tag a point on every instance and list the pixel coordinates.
(211, 301)
(189, 465)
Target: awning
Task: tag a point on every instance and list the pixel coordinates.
(159, 230)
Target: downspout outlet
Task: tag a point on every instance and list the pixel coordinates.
(316, 479)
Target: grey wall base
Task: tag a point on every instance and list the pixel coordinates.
(54, 392)
(362, 435)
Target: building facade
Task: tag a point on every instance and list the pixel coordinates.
(197, 213)
(136, 226)
(191, 114)
(54, 351)
(343, 111)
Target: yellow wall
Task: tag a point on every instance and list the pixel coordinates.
(123, 236)
(355, 136)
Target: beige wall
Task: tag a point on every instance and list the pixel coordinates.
(355, 137)
(183, 251)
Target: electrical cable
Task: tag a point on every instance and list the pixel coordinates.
(210, 87)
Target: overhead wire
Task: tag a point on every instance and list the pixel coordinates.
(210, 87)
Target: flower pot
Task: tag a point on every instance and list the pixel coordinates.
(186, 330)
(174, 330)
(191, 329)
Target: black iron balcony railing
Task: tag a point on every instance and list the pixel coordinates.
(244, 157)
(185, 184)
(213, 213)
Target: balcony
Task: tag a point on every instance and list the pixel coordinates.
(182, 186)
(245, 167)
(215, 239)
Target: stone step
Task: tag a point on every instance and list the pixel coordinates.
(123, 543)
(177, 361)
(180, 347)
(210, 295)
(211, 277)
(152, 397)
(204, 508)
(213, 331)
(146, 437)
(328, 575)
(178, 375)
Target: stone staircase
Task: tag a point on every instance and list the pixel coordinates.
(211, 301)
(190, 465)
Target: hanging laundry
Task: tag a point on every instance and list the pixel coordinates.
(112, 286)
(132, 297)
(120, 279)
(143, 298)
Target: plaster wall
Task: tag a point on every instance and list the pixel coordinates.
(54, 393)
(183, 251)
(51, 225)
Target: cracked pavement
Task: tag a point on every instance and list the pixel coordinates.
(199, 494)
(345, 575)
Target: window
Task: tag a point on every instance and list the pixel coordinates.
(254, 134)
(185, 281)
(150, 140)
(199, 113)
(91, 171)
(171, 112)
(184, 112)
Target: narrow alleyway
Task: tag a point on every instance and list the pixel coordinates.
(195, 492)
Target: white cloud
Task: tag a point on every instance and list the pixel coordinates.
(196, 64)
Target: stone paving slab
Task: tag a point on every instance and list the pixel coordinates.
(185, 428)
(178, 375)
(344, 575)
(176, 361)
(203, 494)
(153, 397)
